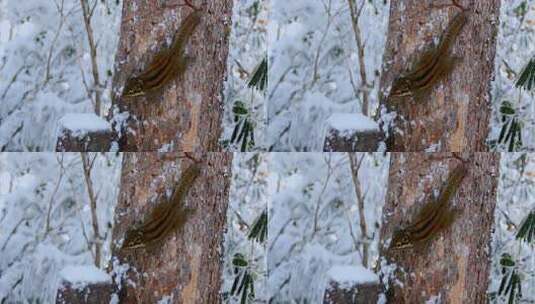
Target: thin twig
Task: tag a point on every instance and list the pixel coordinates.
(93, 52)
(315, 76)
(355, 16)
(355, 167)
(13, 79)
(87, 165)
(318, 202)
(54, 40)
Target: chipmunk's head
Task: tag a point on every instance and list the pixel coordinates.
(400, 240)
(133, 239)
(400, 88)
(133, 87)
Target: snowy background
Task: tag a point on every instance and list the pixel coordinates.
(45, 219)
(46, 228)
(315, 71)
(314, 68)
(248, 46)
(46, 67)
(314, 220)
(312, 223)
(516, 45)
(314, 226)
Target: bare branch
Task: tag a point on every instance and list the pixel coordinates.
(87, 165)
(318, 202)
(355, 15)
(53, 44)
(13, 79)
(355, 167)
(93, 51)
(22, 220)
(51, 200)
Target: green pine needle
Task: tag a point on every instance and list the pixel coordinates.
(259, 230)
(526, 232)
(526, 80)
(259, 78)
(511, 283)
(511, 132)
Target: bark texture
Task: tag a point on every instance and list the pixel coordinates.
(97, 293)
(362, 293)
(90, 142)
(357, 141)
(186, 268)
(184, 115)
(454, 266)
(455, 115)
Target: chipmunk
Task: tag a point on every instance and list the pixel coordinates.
(434, 217)
(166, 217)
(434, 64)
(168, 64)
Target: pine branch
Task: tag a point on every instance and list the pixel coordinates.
(527, 229)
(526, 80)
(259, 78)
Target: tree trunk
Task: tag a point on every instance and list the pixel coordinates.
(454, 266)
(185, 267)
(454, 115)
(184, 115)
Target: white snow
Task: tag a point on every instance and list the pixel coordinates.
(44, 71)
(82, 123)
(351, 122)
(84, 274)
(312, 217)
(314, 68)
(352, 274)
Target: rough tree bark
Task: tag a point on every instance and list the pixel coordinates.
(455, 266)
(186, 114)
(186, 267)
(455, 116)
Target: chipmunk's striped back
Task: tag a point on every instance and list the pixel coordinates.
(165, 217)
(452, 32)
(433, 217)
(433, 65)
(168, 63)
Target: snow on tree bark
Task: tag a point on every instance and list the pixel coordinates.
(454, 116)
(454, 266)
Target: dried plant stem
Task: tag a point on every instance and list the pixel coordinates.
(93, 51)
(87, 165)
(355, 16)
(355, 167)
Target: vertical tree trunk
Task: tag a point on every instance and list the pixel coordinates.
(454, 116)
(184, 115)
(454, 266)
(187, 266)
